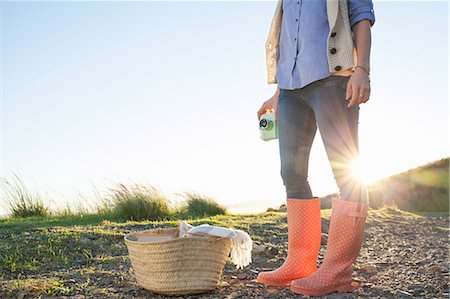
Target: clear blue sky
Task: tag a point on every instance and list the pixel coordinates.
(167, 93)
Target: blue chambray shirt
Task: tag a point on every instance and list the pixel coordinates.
(303, 40)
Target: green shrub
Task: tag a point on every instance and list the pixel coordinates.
(139, 202)
(21, 202)
(198, 205)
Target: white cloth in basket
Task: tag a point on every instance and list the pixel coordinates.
(241, 252)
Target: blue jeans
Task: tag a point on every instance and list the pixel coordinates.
(301, 111)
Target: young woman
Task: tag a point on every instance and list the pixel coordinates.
(318, 52)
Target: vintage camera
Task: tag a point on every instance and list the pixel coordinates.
(268, 127)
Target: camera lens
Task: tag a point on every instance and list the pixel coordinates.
(263, 123)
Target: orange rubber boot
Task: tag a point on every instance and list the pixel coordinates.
(345, 238)
(304, 234)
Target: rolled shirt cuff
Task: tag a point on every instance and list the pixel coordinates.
(363, 16)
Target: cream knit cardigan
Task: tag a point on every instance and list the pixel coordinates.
(340, 63)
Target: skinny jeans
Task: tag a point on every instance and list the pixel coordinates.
(320, 104)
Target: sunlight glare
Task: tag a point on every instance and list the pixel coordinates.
(360, 170)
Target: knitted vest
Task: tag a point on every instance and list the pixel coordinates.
(341, 53)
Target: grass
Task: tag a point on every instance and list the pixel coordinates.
(198, 205)
(121, 202)
(433, 213)
(62, 253)
(423, 189)
(139, 202)
(76, 239)
(57, 220)
(22, 202)
(49, 244)
(85, 254)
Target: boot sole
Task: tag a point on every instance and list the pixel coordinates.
(274, 284)
(345, 288)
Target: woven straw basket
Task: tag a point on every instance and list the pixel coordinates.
(177, 266)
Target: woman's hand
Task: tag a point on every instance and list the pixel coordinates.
(358, 84)
(271, 105)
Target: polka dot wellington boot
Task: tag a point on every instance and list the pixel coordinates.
(304, 235)
(345, 238)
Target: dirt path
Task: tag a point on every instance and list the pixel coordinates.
(403, 255)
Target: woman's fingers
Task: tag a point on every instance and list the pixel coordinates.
(366, 95)
(267, 107)
(264, 109)
(357, 85)
(349, 90)
(261, 112)
(365, 91)
(355, 95)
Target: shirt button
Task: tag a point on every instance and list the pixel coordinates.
(338, 68)
(295, 38)
(333, 34)
(333, 50)
(296, 20)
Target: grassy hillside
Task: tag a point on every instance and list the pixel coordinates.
(85, 257)
(421, 189)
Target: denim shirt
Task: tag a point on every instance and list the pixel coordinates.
(303, 39)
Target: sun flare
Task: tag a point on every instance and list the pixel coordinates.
(359, 169)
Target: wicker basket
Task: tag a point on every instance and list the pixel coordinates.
(178, 266)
